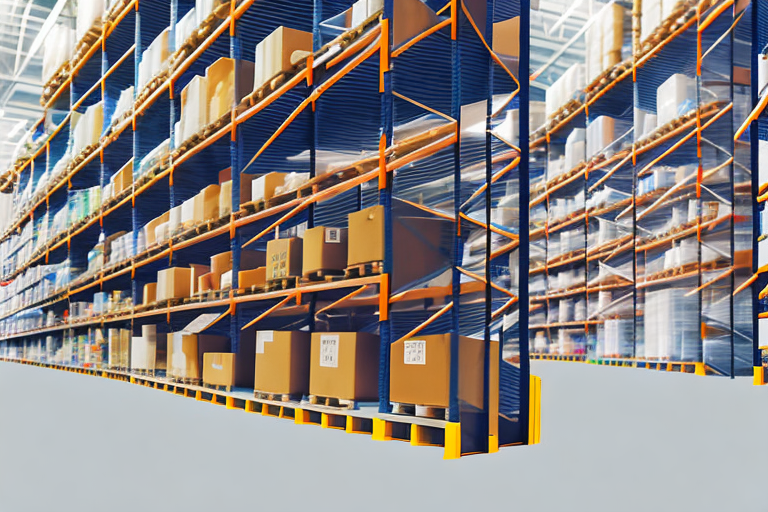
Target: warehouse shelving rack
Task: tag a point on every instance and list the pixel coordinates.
(352, 94)
(695, 41)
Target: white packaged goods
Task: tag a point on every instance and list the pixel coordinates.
(563, 89)
(575, 148)
(174, 220)
(58, 48)
(124, 104)
(671, 324)
(154, 59)
(618, 337)
(675, 97)
(276, 51)
(188, 213)
(185, 27)
(194, 107)
(204, 8)
(600, 133)
(604, 39)
(88, 127)
(651, 17)
(565, 311)
(89, 14)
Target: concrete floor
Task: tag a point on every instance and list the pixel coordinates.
(613, 439)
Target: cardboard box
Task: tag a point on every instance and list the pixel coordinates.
(174, 283)
(188, 213)
(226, 280)
(151, 228)
(144, 348)
(282, 362)
(194, 107)
(118, 341)
(366, 236)
(273, 53)
(420, 370)
(506, 37)
(204, 283)
(263, 187)
(197, 271)
(227, 86)
(344, 365)
(186, 352)
(284, 258)
(221, 263)
(219, 368)
(246, 181)
(122, 179)
(248, 278)
(207, 204)
(150, 293)
(324, 249)
(225, 198)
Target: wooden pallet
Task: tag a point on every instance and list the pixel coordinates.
(277, 397)
(217, 387)
(285, 283)
(364, 269)
(421, 411)
(250, 290)
(144, 372)
(184, 380)
(320, 276)
(329, 401)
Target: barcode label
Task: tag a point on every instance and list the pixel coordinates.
(415, 352)
(332, 235)
(329, 351)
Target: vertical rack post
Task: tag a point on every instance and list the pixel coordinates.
(524, 73)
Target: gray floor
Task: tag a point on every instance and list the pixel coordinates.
(613, 439)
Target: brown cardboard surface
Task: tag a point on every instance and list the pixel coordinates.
(219, 368)
(225, 198)
(273, 53)
(366, 236)
(207, 204)
(150, 293)
(174, 283)
(123, 178)
(222, 262)
(284, 258)
(225, 175)
(194, 278)
(187, 350)
(506, 37)
(324, 249)
(351, 372)
(204, 283)
(411, 18)
(255, 277)
(223, 92)
(151, 225)
(428, 383)
(263, 187)
(282, 365)
(245, 184)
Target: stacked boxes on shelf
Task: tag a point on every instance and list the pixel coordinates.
(284, 177)
(639, 235)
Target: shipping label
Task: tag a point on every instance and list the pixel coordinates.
(415, 352)
(332, 235)
(329, 351)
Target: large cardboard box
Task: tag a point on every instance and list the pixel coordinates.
(150, 293)
(151, 228)
(248, 278)
(225, 198)
(273, 53)
(344, 365)
(282, 362)
(324, 249)
(219, 368)
(284, 258)
(194, 107)
(366, 236)
(221, 263)
(186, 353)
(144, 348)
(420, 370)
(194, 279)
(122, 179)
(204, 283)
(263, 187)
(246, 186)
(207, 204)
(174, 283)
(226, 87)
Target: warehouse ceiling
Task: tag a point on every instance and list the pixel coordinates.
(23, 25)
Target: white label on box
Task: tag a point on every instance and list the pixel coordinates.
(332, 235)
(263, 337)
(415, 352)
(329, 351)
(217, 367)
